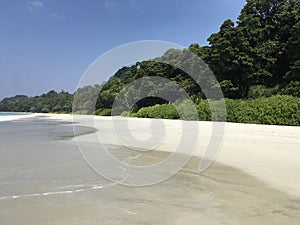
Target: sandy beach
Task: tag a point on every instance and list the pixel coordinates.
(44, 179)
(270, 153)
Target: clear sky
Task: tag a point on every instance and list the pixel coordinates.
(48, 44)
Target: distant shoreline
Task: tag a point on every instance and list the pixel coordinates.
(9, 116)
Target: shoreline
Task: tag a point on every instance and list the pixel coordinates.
(50, 179)
(267, 152)
(15, 116)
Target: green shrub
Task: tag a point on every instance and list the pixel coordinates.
(158, 111)
(45, 110)
(260, 91)
(277, 109)
(204, 111)
(293, 88)
(186, 110)
(103, 112)
(125, 114)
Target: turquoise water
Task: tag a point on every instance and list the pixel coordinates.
(12, 114)
(8, 116)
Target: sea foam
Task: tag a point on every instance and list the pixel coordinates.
(6, 116)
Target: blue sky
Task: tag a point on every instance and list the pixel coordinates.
(48, 44)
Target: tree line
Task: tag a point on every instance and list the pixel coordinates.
(50, 102)
(256, 56)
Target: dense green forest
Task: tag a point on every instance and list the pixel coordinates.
(45, 103)
(256, 61)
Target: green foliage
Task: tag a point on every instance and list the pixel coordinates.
(103, 112)
(186, 110)
(259, 91)
(125, 114)
(279, 110)
(294, 53)
(50, 102)
(293, 88)
(229, 90)
(204, 111)
(256, 51)
(85, 99)
(158, 111)
(19, 103)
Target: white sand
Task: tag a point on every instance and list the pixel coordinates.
(270, 153)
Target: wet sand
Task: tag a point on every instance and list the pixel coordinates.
(44, 180)
(270, 153)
